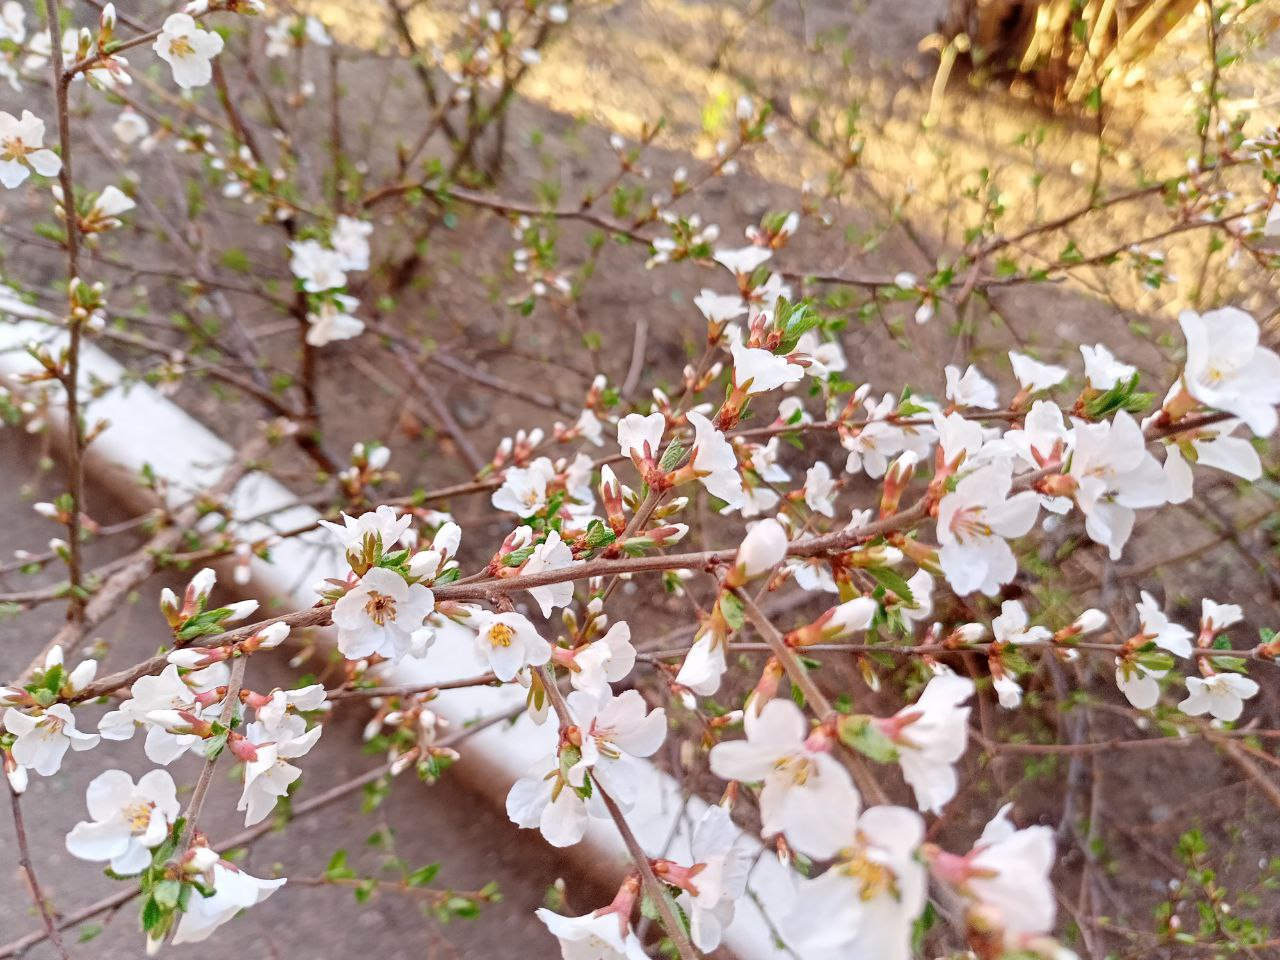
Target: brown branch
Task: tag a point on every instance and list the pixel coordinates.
(26, 866)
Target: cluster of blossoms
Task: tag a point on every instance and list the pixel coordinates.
(191, 706)
(985, 474)
(321, 272)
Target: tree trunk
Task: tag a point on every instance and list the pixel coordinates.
(1067, 51)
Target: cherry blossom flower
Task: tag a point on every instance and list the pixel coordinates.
(719, 307)
(382, 527)
(614, 731)
(544, 800)
(714, 462)
(165, 691)
(930, 736)
(807, 794)
(1011, 626)
(1009, 873)
(233, 891)
(1227, 369)
(319, 268)
(128, 820)
(826, 356)
(640, 437)
(744, 260)
(267, 774)
(595, 936)
(1139, 684)
(1115, 475)
(762, 549)
(382, 614)
(1102, 370)
(1008, 691)
(43, 739)
(1157, 628)
(1209, 446)
(552, 554)
(188, 50)
(820, 490)
(722, 862)
(864, 906)
(333, 320)
(921, 608)
(524, 489)
(1034, 376)
(508, 642)
(974, 522)
(970, 389)
(759, 371)
(1219, 694)
(350, 240)
(1043, 430)
(604, 661)
(1215, 617)
(130, 127)
(22, 149)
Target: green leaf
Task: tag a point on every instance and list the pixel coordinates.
(892, 581)
(859, 733)
(424, 875)
(731, 609)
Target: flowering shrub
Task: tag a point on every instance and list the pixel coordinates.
(863, 611)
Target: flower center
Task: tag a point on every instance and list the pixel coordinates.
(969, 522)
(500, 635)
(138, 816)
(14, 147)
(874, 879)
(381, 607)
(181, 47)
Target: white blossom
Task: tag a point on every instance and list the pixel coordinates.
(233, 891)
(277, 738)
(1010, 875)
(604, 661)
(865, 905)
(1011, 626)
(931, 736)
(22, 149)
(1034, 376)
(43, 739)
(722, 861)
(319, 268)
(508, 642)
(382, 614)
(974, 523)
(759, 371)
(552, 554)
(1227, 369)
(595, 936)
(820, 490)
(524, 489)
(714, 462)
(807, 793)
(333, 320)
(1220, 694)
(127, 820)
(1158, 628)
(1139, 684)
(350, 240)
(188, 50)
(1115, 475)
(970, 389)
(1102, 370)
